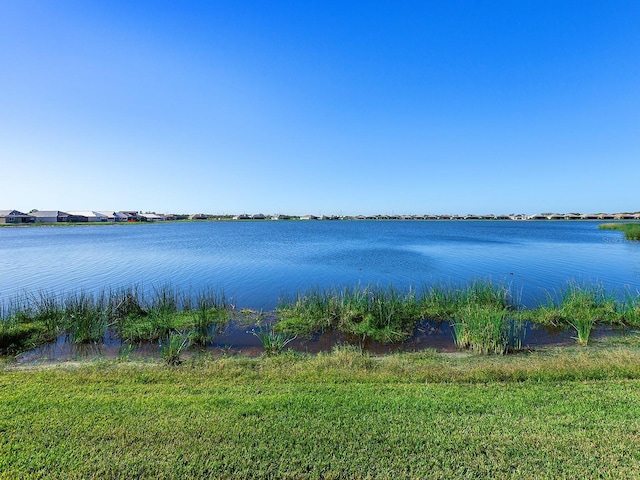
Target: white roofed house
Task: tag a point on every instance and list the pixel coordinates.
(50, 216)
(78, 216)
(111, 216)
(150, 217)
(122, 217)
(15, 217)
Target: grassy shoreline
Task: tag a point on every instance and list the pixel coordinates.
(338, 415)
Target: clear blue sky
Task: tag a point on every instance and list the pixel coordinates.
(333, 107)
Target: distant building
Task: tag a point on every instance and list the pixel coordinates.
(15, 217)
(50, 216)
(130, 215)
(91, 216)
(150, 217)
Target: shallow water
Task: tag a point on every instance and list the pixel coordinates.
(238, 339)
(256, 263)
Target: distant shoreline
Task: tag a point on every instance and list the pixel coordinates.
(229, 220)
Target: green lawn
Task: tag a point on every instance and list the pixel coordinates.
(572, 413)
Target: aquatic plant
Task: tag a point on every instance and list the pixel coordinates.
(125, 351)
(149, 328)
(370, 312)
(211, 311)
(583, 305)
(165, 300)
(126, 302)
(631, 230)
(484, 329)
(630, 309)
(85, 317)
(443, 302)
(272, 342)
(172, 348)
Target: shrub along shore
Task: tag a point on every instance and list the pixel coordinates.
(483, 315)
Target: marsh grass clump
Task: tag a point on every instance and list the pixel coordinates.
(28, 321)
(631, 230)
(581, 307)
(629, 309)
(486, 329)
(165, 300)
(443, 302)
(125, 351)
(173, 347)
(17, 336)
(130, 314)
(272, 342)
(85, 317)
(312, 311)
(211, 311)
(126, 302)
(385, 315)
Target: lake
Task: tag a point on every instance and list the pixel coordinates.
(255, 263)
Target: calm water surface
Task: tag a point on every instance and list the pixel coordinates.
(256, 263)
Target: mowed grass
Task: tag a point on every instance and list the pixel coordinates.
(570, 413)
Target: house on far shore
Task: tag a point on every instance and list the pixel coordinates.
(198, 216)
(79, 216)
(308, 217)
(129, 215)
(150, 217)
(15, 217)
(50, 216)
(111, 216)
(115, 216)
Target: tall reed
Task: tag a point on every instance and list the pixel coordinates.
(485, 329)
(582, 306)
(173, 347)
(443, 302)
(85, 317)
(630, 309)
(370, 312)
(272, 342)
(211, 310)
